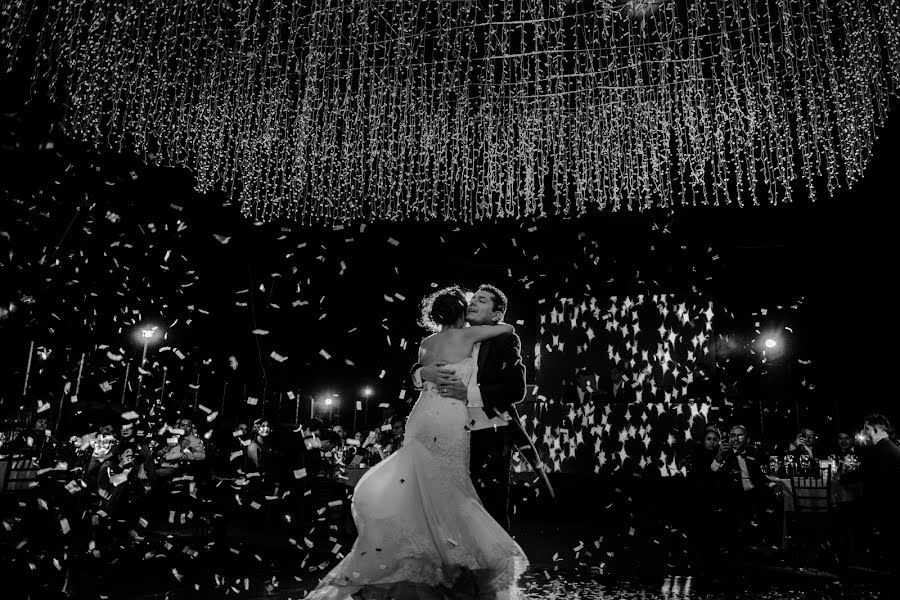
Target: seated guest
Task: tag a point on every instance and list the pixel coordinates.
(845, 445)
(398, 432)
(182, 450)
(113, 476)
(747, 492)
(100, 446)
(314, 460)
(37, 442)
(373, 447)
(257, 451)
(315, 429)
(699, 462)
(705, 491)
(804, 444)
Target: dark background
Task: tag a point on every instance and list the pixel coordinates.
(95, 244)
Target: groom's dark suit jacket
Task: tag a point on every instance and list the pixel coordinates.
(501, 375)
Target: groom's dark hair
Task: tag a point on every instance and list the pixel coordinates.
(499, 297)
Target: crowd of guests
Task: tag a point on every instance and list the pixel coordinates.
(131, 453)
(115, 481)
(737, 488)
(141, 479)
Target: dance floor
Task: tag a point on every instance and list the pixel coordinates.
(571, 584)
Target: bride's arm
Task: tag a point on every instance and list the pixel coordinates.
(478, 333)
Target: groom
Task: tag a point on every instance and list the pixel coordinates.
(496, 387)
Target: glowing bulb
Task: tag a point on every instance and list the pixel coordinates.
(328, 401)
(770, 343)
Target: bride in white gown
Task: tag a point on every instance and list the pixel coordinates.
(423, 532)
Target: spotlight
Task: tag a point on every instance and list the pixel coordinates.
(367, 392)
(770, 343)
(328, 401)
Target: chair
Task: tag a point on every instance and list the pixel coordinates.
(811, 517)
(17, 474)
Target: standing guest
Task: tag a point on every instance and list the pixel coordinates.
(880, 474)
(126, 433)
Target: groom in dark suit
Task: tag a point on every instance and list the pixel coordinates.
(491, 396)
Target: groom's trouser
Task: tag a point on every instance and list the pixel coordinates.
(491, 455)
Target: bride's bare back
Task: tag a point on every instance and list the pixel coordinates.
(453, 345)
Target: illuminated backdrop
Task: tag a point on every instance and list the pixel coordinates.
(660, 340)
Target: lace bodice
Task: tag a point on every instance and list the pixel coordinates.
(439, 423)
(463, 370)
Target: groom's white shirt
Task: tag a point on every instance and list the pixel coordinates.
(478, 419)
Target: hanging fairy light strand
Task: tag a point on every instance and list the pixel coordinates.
(465, 110)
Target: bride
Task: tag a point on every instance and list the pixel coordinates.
(423, 532)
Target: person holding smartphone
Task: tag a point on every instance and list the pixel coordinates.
(747, 491)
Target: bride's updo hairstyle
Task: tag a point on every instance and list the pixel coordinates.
(443, 307)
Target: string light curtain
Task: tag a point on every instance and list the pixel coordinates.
(465, 110)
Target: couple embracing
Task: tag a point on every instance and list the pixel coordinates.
(426, 531)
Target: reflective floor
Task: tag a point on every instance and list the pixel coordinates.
(571, 586)
(566, 584)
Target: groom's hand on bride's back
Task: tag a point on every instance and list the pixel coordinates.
(455, 389)
(437, 373)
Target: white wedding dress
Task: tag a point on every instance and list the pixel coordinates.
(423, 533)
